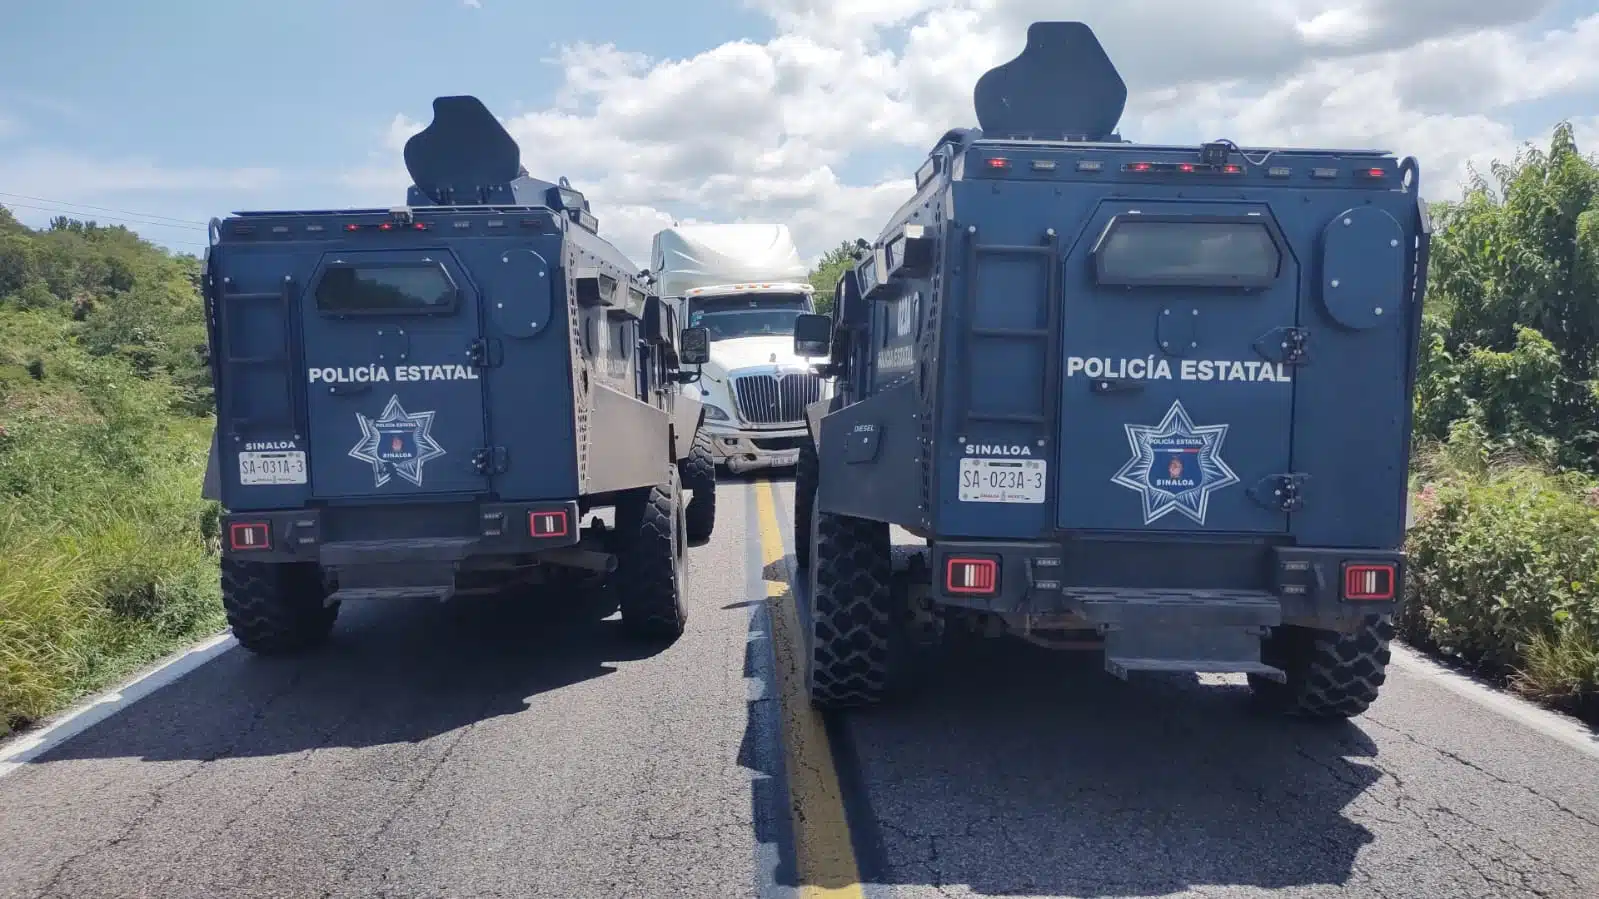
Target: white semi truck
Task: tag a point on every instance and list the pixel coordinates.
(746, 283)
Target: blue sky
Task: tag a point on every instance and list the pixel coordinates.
(811, 112)
(306, 86)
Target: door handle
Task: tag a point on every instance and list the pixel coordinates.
(1115, 385)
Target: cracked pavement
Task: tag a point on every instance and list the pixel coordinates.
(492, 749)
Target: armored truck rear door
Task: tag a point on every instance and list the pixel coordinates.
(395, 405)
(1177, 404)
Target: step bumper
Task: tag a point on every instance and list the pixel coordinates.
(1258, 586)
(306, 535)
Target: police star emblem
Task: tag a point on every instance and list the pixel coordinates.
(1176, 465)
(396, 443)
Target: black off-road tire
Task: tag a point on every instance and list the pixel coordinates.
(853, 648)
(805, 475)
(1331, 675)
(698, 474)
(276, 608)
(648, 579)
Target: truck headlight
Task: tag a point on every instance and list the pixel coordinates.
(713, 413)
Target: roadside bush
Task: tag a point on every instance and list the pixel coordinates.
(1504, 571)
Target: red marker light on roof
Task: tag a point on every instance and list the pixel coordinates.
(1185, 167)
(1138, 167)
(1373, 173)
(1232, 169)
(998, 163)
(352, 227)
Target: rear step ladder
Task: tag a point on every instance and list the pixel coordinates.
(239, 425)
(1211, 631)
(1047, 253)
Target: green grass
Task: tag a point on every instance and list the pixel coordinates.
(107, 552)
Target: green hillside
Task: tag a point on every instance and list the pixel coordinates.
(106, 556)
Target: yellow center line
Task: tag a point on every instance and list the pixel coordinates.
(824, 855)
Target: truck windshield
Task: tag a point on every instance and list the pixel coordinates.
(747, 316)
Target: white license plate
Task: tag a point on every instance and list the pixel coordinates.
(1002, 480)
(272, 468)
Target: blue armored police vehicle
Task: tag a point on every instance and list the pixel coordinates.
(427, 400)
(1150, 401)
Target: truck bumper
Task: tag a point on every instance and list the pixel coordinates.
(1175, 616)
(742, 450)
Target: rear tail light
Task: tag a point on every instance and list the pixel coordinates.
(250, 535)
(547, 524)
(971, 577)
(1374, 582)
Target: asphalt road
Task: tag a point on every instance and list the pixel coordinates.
(492, 749)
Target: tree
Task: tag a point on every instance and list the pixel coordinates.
(1512, 319)
(827, 272)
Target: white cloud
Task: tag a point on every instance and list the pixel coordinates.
(474, 4)
(822, 125)
(751, 131)
(69, 176)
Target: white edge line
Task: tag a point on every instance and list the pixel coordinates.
(1551, 724)
(31, 744)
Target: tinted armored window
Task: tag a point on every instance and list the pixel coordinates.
(1187, 253)
(421, 287)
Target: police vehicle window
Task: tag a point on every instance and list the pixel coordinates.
(1188, 252)
(423, 287)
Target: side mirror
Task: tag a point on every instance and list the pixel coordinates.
(813, 335)
(694, 347)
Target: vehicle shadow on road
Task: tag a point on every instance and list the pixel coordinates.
(393, 673)
(1049, 776)
(1011, 769)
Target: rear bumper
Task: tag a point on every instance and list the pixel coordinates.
(1258, 587)
(501, 529)
(749, 449)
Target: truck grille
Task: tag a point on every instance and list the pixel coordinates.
(768, 400)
